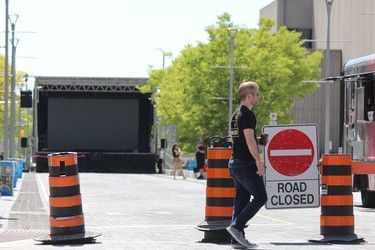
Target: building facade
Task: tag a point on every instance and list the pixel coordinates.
(352, 35)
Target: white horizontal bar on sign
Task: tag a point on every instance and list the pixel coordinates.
(290, 152)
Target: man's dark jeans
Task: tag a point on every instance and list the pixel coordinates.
(247, 183)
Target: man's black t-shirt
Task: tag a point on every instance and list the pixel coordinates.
(242, 118)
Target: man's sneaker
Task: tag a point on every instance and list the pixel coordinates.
(238, 236)
(251, 245)
(239, 246)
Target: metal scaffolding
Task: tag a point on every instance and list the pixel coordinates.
(89, 84)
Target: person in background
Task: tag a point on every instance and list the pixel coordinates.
(200, 156)
(177, 161)
(245, 165)
(159, 160)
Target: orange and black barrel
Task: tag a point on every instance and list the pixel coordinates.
(66, 213)
(337, 218)
(220, 191)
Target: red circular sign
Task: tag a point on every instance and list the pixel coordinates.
(290, 152)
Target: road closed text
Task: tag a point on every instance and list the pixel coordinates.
(292, 194)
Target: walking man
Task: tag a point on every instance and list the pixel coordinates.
(245, 165)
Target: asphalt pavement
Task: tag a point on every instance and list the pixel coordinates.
(153, 211)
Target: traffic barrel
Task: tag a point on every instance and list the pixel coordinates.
(337, 218)
(66, 213)
(220, 192)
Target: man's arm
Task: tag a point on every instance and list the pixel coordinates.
(253, 148)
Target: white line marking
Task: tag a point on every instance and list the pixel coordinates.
(290, 152)
(44, 195)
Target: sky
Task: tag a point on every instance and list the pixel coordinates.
(113, 38)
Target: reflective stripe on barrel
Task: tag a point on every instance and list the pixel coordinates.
(55, 159)
(220, 191)
(337, 202)
(67, 225)
(62, 164)
(66, 215)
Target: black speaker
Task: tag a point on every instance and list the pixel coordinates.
(23, 142)
(26, 99)
(163, 143)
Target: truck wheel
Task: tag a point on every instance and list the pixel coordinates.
(368, 198)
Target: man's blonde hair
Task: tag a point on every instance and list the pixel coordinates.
(247, 88)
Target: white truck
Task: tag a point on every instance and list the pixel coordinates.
(359, 126)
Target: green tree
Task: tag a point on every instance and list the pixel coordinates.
(192, 93)
(19, 78)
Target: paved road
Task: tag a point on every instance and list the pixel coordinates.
(146, 211)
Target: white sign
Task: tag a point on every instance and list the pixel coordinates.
(292, 173)
(273, 116)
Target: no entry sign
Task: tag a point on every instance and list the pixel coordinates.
(291, 152)
(292, 174)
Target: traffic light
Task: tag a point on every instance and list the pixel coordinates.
(24, 142)
(26, 99)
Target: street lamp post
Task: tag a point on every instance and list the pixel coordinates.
(6, 80)
(165, 53)
(328, 74)
(156, 120)
(162, 51)
(13, 92)
(232, 36)
(161, 127)
(19, 123)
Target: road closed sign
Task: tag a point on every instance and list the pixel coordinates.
(292, 173)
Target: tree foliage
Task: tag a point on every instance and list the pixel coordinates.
(19, 78)
(192, 93)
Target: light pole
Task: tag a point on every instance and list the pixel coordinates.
(156, 120)
(161, 127)
(165, 53)
(13, 92)
(162, 51)
(232, 36)
(328, 74)
(6, 80)
(19, 123)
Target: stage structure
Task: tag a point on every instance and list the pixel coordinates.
(107, 121)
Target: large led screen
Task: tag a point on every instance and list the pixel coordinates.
(93, 124)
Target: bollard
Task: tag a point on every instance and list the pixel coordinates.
(7, 174)
(15, 176)
(19, 166)
(337, 218)
(66, 216)
(220, 192)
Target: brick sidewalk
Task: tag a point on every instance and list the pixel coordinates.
(27, 217)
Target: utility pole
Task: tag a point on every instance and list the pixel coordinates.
(328, 74)
(13, 93)
(232, 35)
(6, 108)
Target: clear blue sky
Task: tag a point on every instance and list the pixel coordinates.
(113, 38)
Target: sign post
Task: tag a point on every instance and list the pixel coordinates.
(292, 173)
(273, 118)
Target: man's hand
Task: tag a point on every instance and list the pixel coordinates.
(261, 168)
(263, 139)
